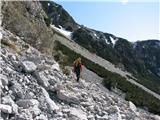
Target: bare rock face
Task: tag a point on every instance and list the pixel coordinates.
(27, 20)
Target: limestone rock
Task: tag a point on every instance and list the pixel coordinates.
(78, 114)
(63, 95)
(51, 104)
(6, 108)
(42, 79)
(4, 79)
(28, 66)
(8, 100)
(132, 106)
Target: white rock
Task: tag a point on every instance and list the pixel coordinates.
(132, 106)
(64, 95)
(90, 117)
(86, 104)
(6, 108)
(8, 100)
(66, 111)
(78, 114)
(42, 79)
(114, 117)
(105, 117)
(60, 114)
(156, 117)
(4, 79)
(26, 103)
(55, 67)
(28, 66)
(41, 117)
(1, 86)
(51, 104)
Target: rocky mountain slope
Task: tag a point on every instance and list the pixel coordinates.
(35, 79)
(139, 58)
(100, 61)
(34, 88)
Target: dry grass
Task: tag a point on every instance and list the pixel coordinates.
(11, 45)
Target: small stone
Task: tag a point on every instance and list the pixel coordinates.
(66, 111)
(90, 117)
(26, 103)
(55, 67)
(41, 117)
(60, 114)
(86, 104)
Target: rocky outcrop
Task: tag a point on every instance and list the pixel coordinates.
(27, 20)
(57, 96)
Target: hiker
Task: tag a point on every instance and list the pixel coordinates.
(77, 68)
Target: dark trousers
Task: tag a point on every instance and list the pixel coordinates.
(78, 76)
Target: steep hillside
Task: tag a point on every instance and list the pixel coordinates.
(33, 87)
(26, 22)
(139, 58)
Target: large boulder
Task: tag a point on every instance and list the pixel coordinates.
(6, 108)
(28, 66)
(68, 97)
(77, 113)
(132, 106)
(50, 103)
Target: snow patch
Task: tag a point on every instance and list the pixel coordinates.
(113, 40)
(107, 41)
(63, 31)
(48, 4)
(95, 34)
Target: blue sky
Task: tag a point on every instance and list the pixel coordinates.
(128, 19)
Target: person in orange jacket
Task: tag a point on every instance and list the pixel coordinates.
(77, 68)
